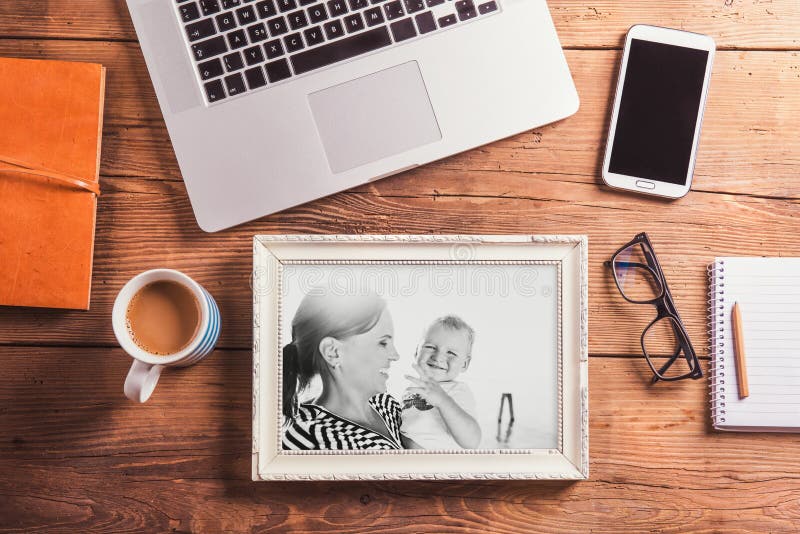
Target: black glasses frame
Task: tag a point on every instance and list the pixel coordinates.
(665, 307)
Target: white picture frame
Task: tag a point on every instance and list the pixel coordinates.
(567, 459)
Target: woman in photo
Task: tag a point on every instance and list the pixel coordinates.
(348, 342)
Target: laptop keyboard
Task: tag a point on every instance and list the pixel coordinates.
(242, 45)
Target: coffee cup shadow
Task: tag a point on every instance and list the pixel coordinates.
(66, 401)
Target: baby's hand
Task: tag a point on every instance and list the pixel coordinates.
(427, 388)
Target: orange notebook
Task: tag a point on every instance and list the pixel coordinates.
(51, 116)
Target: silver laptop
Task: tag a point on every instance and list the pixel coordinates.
(273, 103)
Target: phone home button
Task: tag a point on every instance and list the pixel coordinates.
(644, 184)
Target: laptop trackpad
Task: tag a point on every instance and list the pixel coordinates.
(374, 117)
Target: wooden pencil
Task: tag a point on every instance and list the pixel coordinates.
(741, 360)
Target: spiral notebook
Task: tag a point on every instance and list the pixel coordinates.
(768, 293)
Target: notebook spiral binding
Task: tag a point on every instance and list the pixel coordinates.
(716, 341)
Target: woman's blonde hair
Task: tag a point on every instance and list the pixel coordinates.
(322, 313)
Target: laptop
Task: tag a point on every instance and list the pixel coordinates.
(273, 103)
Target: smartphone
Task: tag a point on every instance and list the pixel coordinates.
(658, 111)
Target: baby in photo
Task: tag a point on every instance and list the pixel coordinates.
(439, 411)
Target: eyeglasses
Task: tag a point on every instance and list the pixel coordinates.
(640, 280)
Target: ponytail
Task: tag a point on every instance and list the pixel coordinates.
(291, 368)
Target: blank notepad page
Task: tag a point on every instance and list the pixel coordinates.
(768, 293)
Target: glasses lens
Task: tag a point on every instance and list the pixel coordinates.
(635, 277)
(661, 344)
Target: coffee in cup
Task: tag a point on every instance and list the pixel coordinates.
(163, 317)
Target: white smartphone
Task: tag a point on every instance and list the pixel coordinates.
(658, 111)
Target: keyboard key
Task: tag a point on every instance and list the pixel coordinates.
(333, 29)
(347, 48)
(432, 3)
(200, 29)
(293, 42)
(214, 91)
(253, 55)
(358, 4)
(374, 16)
(227, 4)
(403, 29)
(314, 35)
(488, 7)
(447, 20)
(286, 5)
(210, 69)
(307, 2)
(353, 22)
(209, 48)
(337, 7)
(425, 22)
(273, 49)
(189, 12)
(277, 26)
(255, 78)
(317, 13)
(235, 84)
(237, 39)
(233, 61)
(412, 6)
(246, 15)
(257, 32)
(226, 22)
(394, 10)
(209, 7)
(297, 19)
(466, 10)
(278, 70)
(266, 9)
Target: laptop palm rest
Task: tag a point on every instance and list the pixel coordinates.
(374, 117)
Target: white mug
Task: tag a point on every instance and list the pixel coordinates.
(147, 367)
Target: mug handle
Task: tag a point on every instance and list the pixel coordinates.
(141, 380)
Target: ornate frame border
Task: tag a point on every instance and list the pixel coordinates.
(266, 249)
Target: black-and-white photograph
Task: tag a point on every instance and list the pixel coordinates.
(382, 356)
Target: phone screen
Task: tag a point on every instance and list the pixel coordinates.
(658, 111)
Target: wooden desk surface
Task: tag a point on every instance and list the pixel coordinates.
(74, 454)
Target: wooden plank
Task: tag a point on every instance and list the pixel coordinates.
(144, 224)
(77, 455)
(732, 23)
(130, 99)
(748, 143)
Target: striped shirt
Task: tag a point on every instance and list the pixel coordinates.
(315, 428)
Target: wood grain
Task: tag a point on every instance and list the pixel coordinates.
(733, 23)
(141, 226)
(747, 145)
(75, 455)
(543, 181)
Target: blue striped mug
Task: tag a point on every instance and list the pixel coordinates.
(146, 369)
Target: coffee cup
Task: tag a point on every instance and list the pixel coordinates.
(194, 313)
